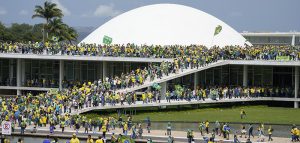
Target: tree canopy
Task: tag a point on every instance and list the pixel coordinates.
(53, 27)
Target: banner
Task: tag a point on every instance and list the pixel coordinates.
(6, 128)
(156, 86)
(107, 40)
(283, 58)
(218, 30)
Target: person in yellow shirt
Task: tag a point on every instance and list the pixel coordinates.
(104, 130)
(207, 126)
(89, 139)
(99, 140)
(297, 134)
(144, 97)
(270, 131)
(74, 139)
(125, 128)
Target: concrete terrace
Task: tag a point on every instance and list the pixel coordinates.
(164, 103)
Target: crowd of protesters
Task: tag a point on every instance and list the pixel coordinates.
(156, 51)
(53, 104)
(48, 108)
(184, 57)
(210, 131)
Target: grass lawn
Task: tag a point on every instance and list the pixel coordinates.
(255, 114)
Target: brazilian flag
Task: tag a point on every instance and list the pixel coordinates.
(54, 38)
(218, 30)
(125, 139)
(156, 86)
(107, 40)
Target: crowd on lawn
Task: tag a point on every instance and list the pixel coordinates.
(210, 131)
(54, 106)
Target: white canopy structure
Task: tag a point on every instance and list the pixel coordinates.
(166, 24)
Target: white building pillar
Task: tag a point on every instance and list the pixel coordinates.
(296, 104)
(163, 90)
(104, 70)
(61, 74)
(23, 69)
(19, 75)
(196, 80)
(11, 71)
(245, 75)
(293, 40)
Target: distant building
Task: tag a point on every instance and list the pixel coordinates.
(273, 38)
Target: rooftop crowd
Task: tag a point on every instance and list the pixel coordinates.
(184, 57)
(269, 52)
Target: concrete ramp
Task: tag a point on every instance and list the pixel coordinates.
(165, 78)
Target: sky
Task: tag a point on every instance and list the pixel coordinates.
(242, 15)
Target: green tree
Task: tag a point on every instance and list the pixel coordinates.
(56, 27)
(47, 12)
(20, 32)
(71, 34)
(5, 35)
(61, 30)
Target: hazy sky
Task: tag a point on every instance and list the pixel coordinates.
(242, 15)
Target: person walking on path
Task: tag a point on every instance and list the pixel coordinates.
(169, 129)
(190, 136)
(250, 131)
(243, 114)
(201, 127)
(148, 124)
(217, 127)
(270, 132)
(206, 126)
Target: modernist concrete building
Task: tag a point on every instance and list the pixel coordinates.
(17, 69)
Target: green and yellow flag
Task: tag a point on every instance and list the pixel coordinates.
(125, 139)
(107, 40)
(218, 30)
(54, 38)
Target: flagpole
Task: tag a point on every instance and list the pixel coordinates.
(212, 41)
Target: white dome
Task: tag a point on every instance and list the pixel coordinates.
(166, 24)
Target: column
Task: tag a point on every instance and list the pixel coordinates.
(296, 104)
(99, 70)
(196, 80)
(11, 71)
(245, 75)
(293, 40)
(23, 69)
(61, 74)
(19, 75)
(163, 90)
(104, 70)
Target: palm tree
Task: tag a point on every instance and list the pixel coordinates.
(61, 30)
(56, 27)
(71, 34)
(47, 12)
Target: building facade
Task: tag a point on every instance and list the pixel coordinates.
(18, 72)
